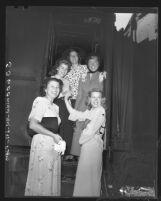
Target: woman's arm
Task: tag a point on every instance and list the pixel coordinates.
(75, 114)
(93, 126)
(36, 115)
(68, 105)
(37, 127)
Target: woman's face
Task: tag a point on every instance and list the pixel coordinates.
(52, 90)
(95, 99)
(62, 70)
(93, 64)
(73, 57)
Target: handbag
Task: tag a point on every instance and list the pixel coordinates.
(50, 123)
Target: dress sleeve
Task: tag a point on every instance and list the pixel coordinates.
(67, 76)
(93, 126)
(38, 109)
(78, 115)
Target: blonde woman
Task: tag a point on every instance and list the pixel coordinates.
(89, 170)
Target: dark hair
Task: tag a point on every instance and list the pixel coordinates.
(46, 82)
(92, 56)
(66, 54)
(57, 64)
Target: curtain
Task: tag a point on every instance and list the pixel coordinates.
(134, 109)
(121, 108)
(49, 50)
(123, 56)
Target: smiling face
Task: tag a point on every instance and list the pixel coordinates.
(95, 99)
(52, 90)
(93, 64)
(73, 56)
(62, 70)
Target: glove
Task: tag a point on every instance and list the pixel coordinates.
(62, 144)
(60, 147)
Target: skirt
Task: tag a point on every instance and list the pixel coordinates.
(66, 126)
(44, 172)
(89, 171)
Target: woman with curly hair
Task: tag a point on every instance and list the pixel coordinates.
(93, 79)
(44, 170)
(89, 170)
(59, 71)
(77, 72)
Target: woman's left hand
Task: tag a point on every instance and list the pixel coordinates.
(102, 76)
(57, 138)
(68, 94)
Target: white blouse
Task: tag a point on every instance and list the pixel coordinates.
(43, 108)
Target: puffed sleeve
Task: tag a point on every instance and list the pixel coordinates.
(67, 76)
(78, 115)
(98, 118)
(38, 109)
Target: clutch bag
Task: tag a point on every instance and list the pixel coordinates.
(50, 123)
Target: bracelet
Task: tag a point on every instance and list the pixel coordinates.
(103, 126)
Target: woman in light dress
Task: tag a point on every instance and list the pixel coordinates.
(77, 72)
(89, 170)
(93, 79)
(45, 162)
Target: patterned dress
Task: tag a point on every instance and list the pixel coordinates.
(74, 75)
(45, 163)
(89, 170)
(81, 104)
(66, 129)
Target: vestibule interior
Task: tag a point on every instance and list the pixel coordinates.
(36, 37)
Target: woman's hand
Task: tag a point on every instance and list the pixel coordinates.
(64, 93)
(68, 94)
(102, 76)
(57, 138)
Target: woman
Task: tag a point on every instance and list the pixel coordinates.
(59, 71)
(78, 72)
(94, 79)
(89, 170)
(45, 162)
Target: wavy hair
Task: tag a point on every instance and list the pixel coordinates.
(46, 81)
(66, 54)
(103, 99)
(57, 64)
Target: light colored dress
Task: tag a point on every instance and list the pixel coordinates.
(89, 170)
(45, 163)
(81, 104)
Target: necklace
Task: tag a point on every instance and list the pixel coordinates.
(49, 100)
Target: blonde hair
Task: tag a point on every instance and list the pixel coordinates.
(103, 99)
